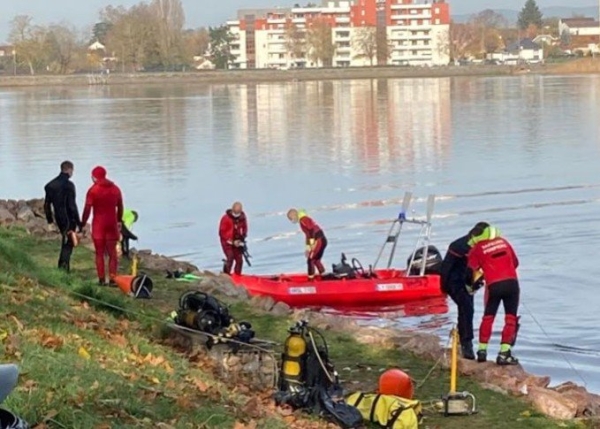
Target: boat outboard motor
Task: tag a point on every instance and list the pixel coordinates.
(343, 269)
(433, 265)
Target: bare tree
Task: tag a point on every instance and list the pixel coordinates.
(488, 24)
(295, 42)
(29, 42)
(365, 44)
(463, 39)
(63, 44)
(319, 39)
(196, 43)
(170, 19)
(132, 35)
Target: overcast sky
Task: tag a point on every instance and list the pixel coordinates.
(204, 12)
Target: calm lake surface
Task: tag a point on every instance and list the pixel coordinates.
(520, 152)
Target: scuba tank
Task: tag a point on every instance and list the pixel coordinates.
(308, 380)
(293, 360)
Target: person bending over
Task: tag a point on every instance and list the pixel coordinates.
(129, 218)
(455, 278)
(316, 242)
(233, 230)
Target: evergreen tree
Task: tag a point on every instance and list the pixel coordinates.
(530, 15)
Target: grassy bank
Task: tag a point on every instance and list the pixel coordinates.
(85, 365)
(255, 76)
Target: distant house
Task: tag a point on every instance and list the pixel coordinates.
(96, 46)
(7, 51)
(579, 26)
(524, 50)
(203, 63)
(546, 39)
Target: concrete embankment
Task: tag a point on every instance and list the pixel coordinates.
(255, 76)
(566, 401)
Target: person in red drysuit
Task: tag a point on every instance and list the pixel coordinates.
(493, 255)
(316, 242)
(104, 198)
(233, 230)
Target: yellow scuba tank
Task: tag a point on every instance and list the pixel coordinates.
(292, 365)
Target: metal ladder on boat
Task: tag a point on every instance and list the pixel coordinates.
(395, 231)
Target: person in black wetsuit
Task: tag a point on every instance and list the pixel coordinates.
(61, 209)
(456, 282)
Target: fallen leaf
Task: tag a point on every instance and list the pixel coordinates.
(155, 380)
(3, 335)
(202, 386)
(18, 323)
(95, 386)
(83, 353)
(252, 408)
(51, 414)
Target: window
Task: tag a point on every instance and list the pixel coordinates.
(437, 21)
(436, 10)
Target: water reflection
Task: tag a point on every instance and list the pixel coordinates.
(373, 123)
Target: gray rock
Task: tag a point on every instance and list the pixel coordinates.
(25, 214)
(281, 309)
(6, 217)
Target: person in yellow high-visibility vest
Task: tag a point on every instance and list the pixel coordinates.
(129, 218)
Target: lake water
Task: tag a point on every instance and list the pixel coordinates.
(521, 152)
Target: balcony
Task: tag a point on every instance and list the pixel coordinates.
(342, 35)
(342, 19)
(410, 6)
(409, 35)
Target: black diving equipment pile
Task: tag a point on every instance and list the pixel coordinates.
(205, 313)
(308, 380)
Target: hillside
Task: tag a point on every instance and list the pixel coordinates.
(92, 358)
(549, 12)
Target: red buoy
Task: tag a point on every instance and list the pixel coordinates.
(397, 383)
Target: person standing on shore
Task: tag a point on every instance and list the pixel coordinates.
(61, 198)
(105, 200)
(494, 255)
(129, 218)
(233, 230)
(316, 242)
(455, 276)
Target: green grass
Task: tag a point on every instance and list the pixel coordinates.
(130, 376)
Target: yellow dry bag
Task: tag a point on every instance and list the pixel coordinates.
(390, 412)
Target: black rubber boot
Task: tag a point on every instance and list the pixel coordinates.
(506, 358)
(481, 356)
(467, 351)
(101, 282)
(10, 421)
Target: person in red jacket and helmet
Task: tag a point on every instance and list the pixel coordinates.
(105, 200)
(233, 230)
(316, 242)
(493, 255)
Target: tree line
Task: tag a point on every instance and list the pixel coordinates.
(146, 36)
(151, 36)
(489, 31)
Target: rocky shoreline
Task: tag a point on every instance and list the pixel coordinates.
(566, 401)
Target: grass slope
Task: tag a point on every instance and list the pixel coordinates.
(90, 365)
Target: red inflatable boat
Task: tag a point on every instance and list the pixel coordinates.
(384, 288)
(353, 287)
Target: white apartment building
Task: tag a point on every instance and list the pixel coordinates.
(363, 33)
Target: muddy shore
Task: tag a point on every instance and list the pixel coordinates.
(566, 401)
(256, 76)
